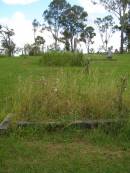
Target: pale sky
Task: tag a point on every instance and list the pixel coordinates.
(19, 14)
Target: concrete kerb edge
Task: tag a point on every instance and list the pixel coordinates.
(6, 124)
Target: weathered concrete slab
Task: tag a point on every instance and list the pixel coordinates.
(53, 126)
(46, 125)
(89, 124)
(5, 124)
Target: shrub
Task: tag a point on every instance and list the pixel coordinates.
(62, 59)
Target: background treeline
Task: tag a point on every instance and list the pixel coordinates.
(68, 26)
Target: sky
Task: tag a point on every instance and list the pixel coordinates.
(19, 14)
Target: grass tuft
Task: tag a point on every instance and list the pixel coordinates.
(62, 59)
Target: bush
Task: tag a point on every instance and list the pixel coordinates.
(62, 59)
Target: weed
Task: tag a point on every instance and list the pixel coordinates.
(121, 88)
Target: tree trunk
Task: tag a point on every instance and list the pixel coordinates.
(67, 45)
(71, 41)
(9, 53)
(106, 46)
(34, 34)
(55, 44)
(56, 39)
(88, 49)
(122, 40)
(129, 40)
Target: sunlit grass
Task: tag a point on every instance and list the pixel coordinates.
(38, 92)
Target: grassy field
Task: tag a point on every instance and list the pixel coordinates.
(35, 91)
(73, 151)
(38, 92)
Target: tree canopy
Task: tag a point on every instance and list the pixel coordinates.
(6, 35)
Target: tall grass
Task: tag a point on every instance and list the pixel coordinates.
(69, 96)
(62, 59)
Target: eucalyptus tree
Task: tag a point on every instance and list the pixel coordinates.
(87, 36)
(106, 27)
(7, 43)
(27, 49)
(40, 41)
(119, 9)
(65, 39)
(73, 21)
(35, 25)
(52, 17)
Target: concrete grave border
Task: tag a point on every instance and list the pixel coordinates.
(6, 124)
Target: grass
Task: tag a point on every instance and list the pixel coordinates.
(43, 93)
(72, 151)
(66, 97)
(62, 59)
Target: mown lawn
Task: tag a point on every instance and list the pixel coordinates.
(63, 152)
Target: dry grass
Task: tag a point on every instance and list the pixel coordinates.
(69, 96)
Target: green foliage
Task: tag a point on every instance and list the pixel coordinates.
(62, 59)
(35, 50)
(119, 9)
(39, 41)
(73, 21)
(87, 36)
(6, 39)
(67, 20)
(106, 29)
(52, 16)
(35, 25)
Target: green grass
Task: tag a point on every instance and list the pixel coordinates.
(73, 151)
(43, 93)
(62, 59)
(68, 93)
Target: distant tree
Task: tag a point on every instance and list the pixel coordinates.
(87, 36)
(35, 25)
(19, 51)
(119, 9)
(65, 39)
(39, 41)
(106, 29)
(27, 49)
(34, 49)
(52, 16)
(73, 20)
(7, 43)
